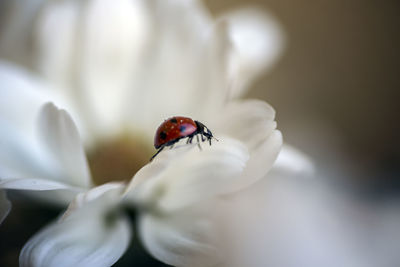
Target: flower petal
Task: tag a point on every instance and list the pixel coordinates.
(34, 184)
(258, 40)
(293, 160)
(251, 122)
(182, 239)
(260, 163)
(5, 206)
(20, 155)
(215, 76)
(54, 56)
(183, 176)
(113, 190)
(90, 235)
(112, 38)
(62, 140)
(189, 56)
(77, 244)
(21, 96)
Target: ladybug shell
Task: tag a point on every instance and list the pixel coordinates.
(173, 129)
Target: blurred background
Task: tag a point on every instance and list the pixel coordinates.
(336, 92)
(336, 86)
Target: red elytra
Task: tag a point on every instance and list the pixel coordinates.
(174, 129)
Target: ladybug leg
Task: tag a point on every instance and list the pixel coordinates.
(207, 136)
(172, 146)
(198, 142)
(157, 153)
(210, 136)
(190, 139)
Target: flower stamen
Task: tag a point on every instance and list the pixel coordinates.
(118, 159)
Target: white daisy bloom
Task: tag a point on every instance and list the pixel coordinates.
(80, 105)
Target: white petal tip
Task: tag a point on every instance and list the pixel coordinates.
(295, 161)
(257, 35)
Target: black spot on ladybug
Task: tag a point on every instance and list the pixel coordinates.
(163, 135)
(173, 120)
(182, 128)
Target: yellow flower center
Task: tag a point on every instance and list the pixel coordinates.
(118, 159)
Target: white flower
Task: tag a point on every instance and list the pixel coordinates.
(117, 69)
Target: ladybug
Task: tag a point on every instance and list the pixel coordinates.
(176, 128)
